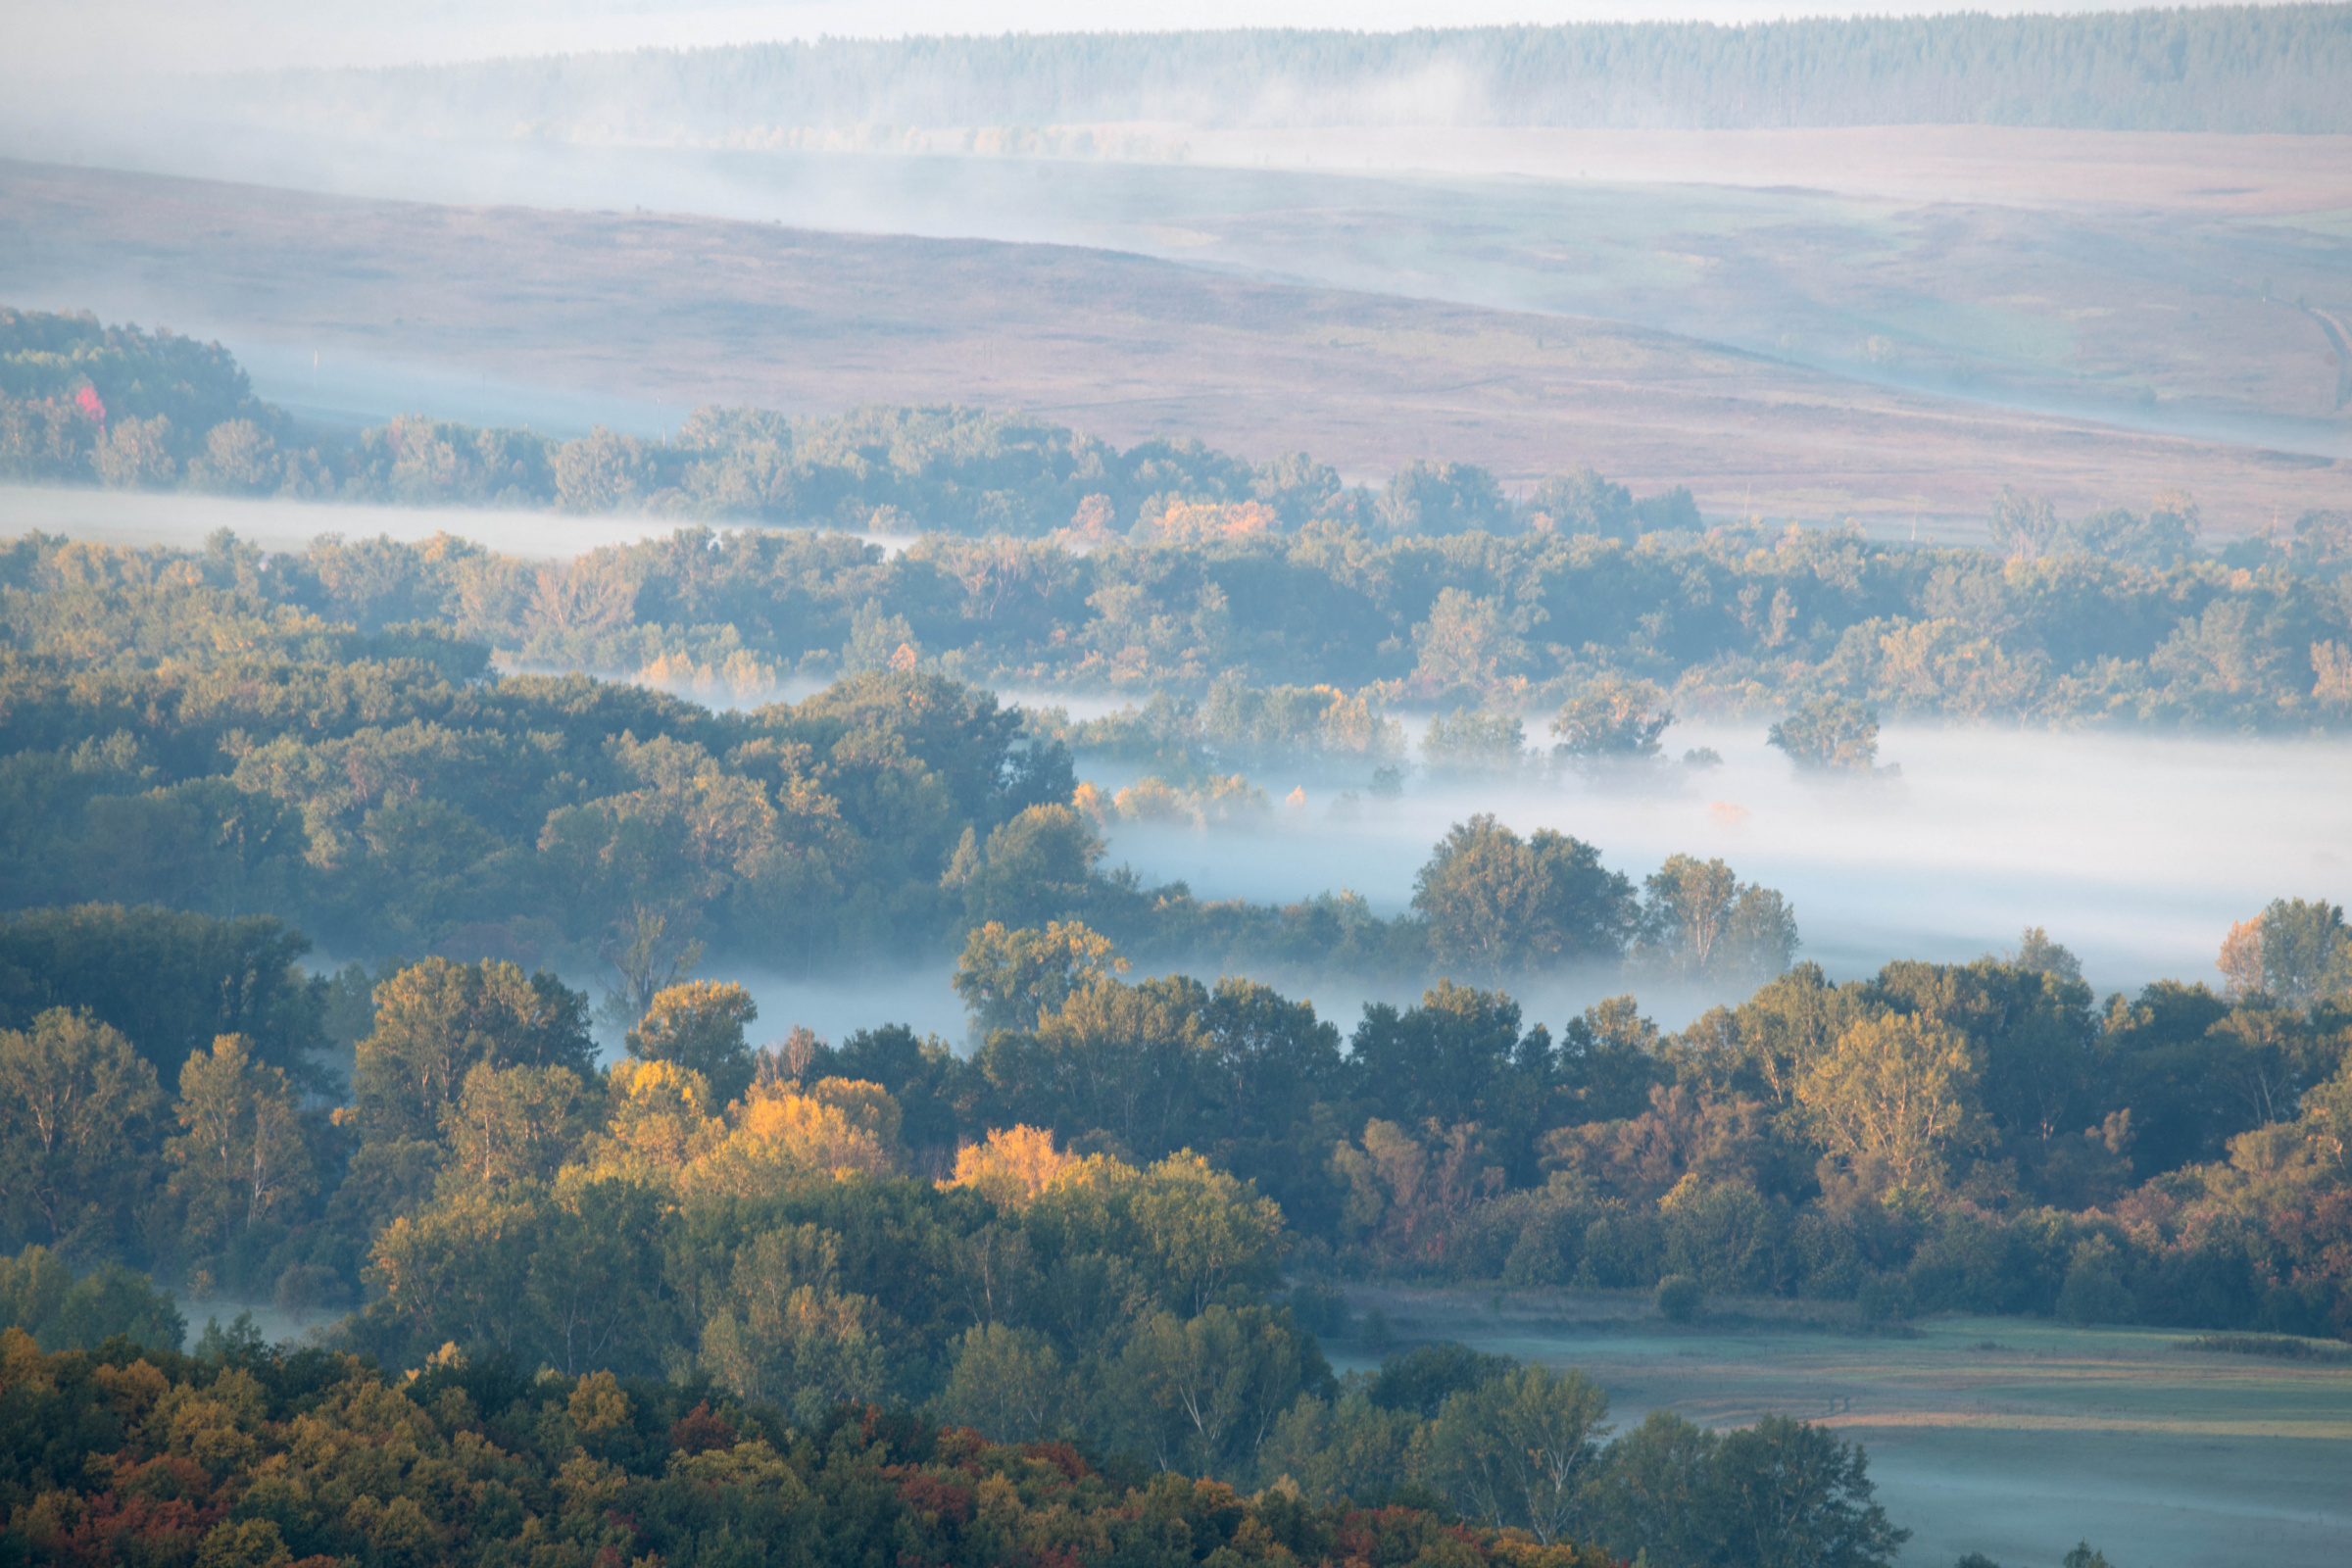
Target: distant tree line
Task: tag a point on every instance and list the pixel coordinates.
(1042, 558)
(2212, 68)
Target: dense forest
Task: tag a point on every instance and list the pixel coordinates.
(1060, 1292)
(1037, 557)
(2216, 68)
(1124, 1223)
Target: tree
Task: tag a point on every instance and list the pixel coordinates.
(79, 1109)
(1471, 742)
(1612, 719)
(1203, 1395)
(1014, 1166)
(1008, 1385)
(700, 1025)
(1449, 1059)
(1469, 641)
(648, 956)
(1012, 979)
(172, 981)
(1348, 1449)
(1117, 1058)
(1269, 1061)
(136, 455)
(786, 1331)
(1519, 1449)
(513, 1124)
(1581, 502)
(241, 1153)
(1891, 1098)
(1441, 497)
(2296, 952)
(1828, 734)
(1700, 922)
(1790, 1495)
(1033, 870)
(1496, 903)
(435, 1021)
(1654, 1496)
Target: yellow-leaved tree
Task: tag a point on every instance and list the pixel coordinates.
(1891, 1099)
(1015, 1166)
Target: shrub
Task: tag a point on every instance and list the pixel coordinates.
(1679, 1297)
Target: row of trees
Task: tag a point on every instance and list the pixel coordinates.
(2222, 69)
(1283, 643)
(1977, 1134)
(243, 1454)
(1047, 560)
(166, 736)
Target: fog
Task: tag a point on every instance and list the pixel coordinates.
(1803, 245)
(2137, 852)
(137, 519)
(143, 34)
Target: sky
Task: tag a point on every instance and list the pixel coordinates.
(84, 37)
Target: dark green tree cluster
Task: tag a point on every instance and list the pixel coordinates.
(81, 401)
(169, 735)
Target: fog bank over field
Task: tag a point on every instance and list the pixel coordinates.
(135, 519)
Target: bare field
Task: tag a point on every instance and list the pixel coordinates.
(683, 310)
(2242, 176)
(2007, 1436)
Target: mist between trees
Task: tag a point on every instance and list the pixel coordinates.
(1127, 1216)
(1042, 557)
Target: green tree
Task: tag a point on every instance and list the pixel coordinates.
(1116, 1058)
(1700, 922)
(1346, 1450)
(513, 1124)
(241, 1155)
(1654, 1497)
(1204, 1395)
(1010, 979)
(1008, 1385)
(1790, 1495)
(788, 1333)
(170, 980)
(1033, 870)
(78, 1128)
(1520, 1449)
(1614, 719)
(435, 1021)
(1496, 903)
(1829, 733)
(700, 1025)
(2306, 951)
(1472, 742)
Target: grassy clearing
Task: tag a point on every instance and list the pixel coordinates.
(2013, 1436)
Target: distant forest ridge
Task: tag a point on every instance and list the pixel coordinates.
(2235, 69)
